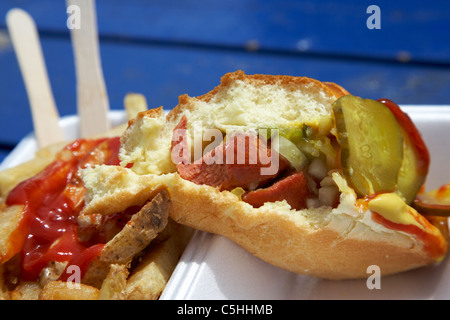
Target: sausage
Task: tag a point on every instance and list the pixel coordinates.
(294, 189)
(239, 162)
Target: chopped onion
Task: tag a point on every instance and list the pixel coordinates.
(328, 195)
(312, 203)
(318, 169)
(327, 182)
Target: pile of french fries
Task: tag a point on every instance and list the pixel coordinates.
(143, 275)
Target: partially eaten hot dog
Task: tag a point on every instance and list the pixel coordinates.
(299, 172)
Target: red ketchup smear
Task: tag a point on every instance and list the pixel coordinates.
(52, 202)
(434, 245)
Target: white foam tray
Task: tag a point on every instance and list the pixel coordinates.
(213, 267)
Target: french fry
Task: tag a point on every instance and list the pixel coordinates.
(10, 241)
(134, 103)
(28, 290)
(143, 227)
(11, 177)
(150, 277)
(61, 290)
(51, 272)
(113, 287)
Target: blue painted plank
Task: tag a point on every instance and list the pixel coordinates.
(410, 30)
(168, 48)
(164, 73)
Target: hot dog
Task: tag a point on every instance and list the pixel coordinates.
(299, 172)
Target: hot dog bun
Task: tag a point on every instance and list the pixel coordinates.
(332, 242)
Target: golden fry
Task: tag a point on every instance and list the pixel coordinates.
(9, 221)
(134, 103)
(113, 287)
(150, 277)
(28, 290)
(61, 290)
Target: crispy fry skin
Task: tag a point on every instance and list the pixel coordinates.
(113, 287)
(61, 290)
(28, 290)
(10, 218)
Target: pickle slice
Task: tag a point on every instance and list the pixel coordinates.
(416, 158)
(410, 178)
(371, 144)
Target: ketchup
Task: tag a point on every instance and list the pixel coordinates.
(52, 201)
(434, 245)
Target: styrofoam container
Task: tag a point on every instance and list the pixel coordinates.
(213, 267)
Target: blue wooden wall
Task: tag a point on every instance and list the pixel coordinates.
(166, 48)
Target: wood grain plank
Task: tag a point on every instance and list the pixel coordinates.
(410, 30)
(162, 74)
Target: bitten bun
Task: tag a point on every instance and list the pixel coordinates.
(332, 242)
(338, 243)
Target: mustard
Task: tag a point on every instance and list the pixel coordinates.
(238, 192)
(394, 209)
